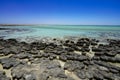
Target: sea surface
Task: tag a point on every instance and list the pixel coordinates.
(60, 31)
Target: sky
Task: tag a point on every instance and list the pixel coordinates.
(71, 12)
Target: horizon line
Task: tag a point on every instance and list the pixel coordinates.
(60, 24)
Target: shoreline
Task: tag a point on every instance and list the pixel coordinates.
(60, 59)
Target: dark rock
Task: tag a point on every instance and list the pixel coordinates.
(29, 76)
(106, 75)
(40, 46)
(99, 53)
(96, 49)
(93, 43)
(44, 76)
(11, 50)
(34, 52)
(118, 51)
(86, 49)
(6, 51)
(52, 44)
(77, 57)
(80, 43)
(73, 65)
(12, 40)
(83, 53)
(3, 76)
(113, 70)
(96, 58)
(81, 74)
(52, 57)
(85, 74)
(18, 75)
(88, 62)
(63, 58)
(45, 65)
(22, 56)
(67, 41)
(109, 66)
(75, 47)
(98, 76)
(69, 49)
(109, 59)
(9, 62)
(1, 47)
(62, 76)
(112, 54)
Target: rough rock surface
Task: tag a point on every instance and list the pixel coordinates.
(80, 59)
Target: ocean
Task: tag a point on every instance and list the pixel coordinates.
(60, 31)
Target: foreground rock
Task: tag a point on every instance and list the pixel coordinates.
(45, 70)
(79, 59)
(3, 76)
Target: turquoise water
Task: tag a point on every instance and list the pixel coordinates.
(60, 31)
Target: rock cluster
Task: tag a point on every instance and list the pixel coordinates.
(82, 59)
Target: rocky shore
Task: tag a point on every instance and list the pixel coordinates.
(80, 59)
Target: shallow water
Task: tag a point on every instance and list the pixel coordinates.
(60, 31)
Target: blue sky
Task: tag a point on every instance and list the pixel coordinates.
(79, 12)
